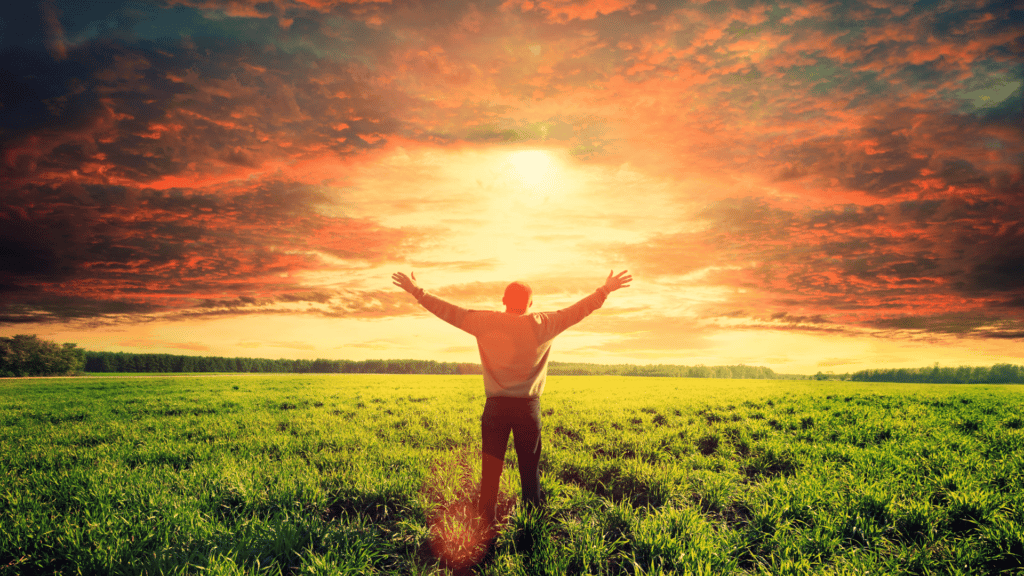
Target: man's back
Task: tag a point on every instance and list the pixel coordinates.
(514, 348)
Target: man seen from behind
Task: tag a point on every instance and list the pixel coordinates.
(514, 346)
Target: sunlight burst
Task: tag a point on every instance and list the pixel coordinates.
(534, 171)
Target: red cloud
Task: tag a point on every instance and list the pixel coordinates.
(807, 11)
(170, 173)
(851, 265)
(56, 43)
(146, 250)
(562, 11)
(258, 8)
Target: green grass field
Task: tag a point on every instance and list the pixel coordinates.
(367, 474)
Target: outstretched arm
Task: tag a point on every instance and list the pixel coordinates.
(554, 323)
(446, 311)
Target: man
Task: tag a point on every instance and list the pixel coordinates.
(514, 347)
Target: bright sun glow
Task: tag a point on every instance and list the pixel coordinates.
(534, 170)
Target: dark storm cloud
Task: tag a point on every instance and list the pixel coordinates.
(903, 153)
(962, 324)
(33, 249)
(998, 262)
(361, 304)
(172, 155)
(868, 94)
(856, 263)
(173, 248)
(143, 110)
(86, 137)
(39, 94)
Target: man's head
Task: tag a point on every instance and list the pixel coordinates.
(518, 298)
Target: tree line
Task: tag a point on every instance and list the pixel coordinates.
(670, 370)
(27, 355)
(996, 374)
(130, 362)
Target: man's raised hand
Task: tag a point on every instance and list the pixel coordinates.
(620, 280)
(404, 282)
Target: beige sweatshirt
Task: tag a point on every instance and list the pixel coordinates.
(513, 348)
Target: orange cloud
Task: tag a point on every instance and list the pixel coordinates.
(563, 11)
(820, 167)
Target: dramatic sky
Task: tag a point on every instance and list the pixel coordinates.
(803, 185)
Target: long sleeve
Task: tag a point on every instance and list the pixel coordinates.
(450, 313)
(551, 324)
(513, 348)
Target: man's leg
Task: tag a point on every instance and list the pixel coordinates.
(526, 433)
(495, 428)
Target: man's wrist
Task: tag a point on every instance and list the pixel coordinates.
(604, 290)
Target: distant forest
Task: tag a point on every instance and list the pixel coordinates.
(129, 362)
(997, 374)
(27, 355)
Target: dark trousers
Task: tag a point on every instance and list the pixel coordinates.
(521, 418)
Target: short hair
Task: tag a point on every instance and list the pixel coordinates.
(517, 295)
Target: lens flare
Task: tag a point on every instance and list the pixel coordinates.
(459, 536)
